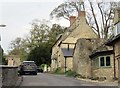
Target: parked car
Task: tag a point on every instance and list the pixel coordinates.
(28, 67)
(39, 69)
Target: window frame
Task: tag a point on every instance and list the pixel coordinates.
(116, 30)
(104, 61)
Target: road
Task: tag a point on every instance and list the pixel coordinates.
(44, 79)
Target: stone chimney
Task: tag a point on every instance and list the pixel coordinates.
(81, 14)
(72, 19)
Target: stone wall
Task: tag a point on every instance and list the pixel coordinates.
(9, 75)
(81, 60)
(117, 56)
(105, 72)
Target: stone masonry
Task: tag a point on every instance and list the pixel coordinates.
(81, 59)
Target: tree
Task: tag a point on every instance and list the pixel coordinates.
(41, 55)
(54, 32)
(66, 9)
(38, 34)
(38, 44)
(18, 48)
(2, 57)
(106, 15)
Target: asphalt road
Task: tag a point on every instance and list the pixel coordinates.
(44, 79)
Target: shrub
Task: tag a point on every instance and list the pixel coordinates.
(58, 71)
(71, 73)
(94, 78)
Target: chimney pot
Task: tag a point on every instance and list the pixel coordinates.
(81, 14)
(72, 19)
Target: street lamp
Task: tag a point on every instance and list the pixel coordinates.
(2, 25)
(1, 55)
(1, 51)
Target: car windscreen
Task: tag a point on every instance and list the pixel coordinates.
(29, 63)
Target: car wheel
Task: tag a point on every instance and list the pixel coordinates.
(35, 73)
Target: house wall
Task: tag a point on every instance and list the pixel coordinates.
(78, 29)
(66, 45)
(107, 72)
(83, 30)
(117, 49)
(70, 40)
(53, 64)
(61, 60)
(54, 56)
(117, 15)
(13, 60)
(81, 60)
(117, 57)
(69, 63)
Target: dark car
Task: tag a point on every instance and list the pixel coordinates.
(39, 69)
(28, 67)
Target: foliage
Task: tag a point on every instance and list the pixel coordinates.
(58, 71)
(42, 66)
(4, 61)
(71, 73)
(2, 56)
(102, 24)
(100, 21)
(37, 45)
(41, 55)
(18, 48)
(66, 9)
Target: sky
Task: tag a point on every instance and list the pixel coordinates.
(18, 14)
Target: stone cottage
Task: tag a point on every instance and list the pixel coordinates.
(78, 29)
(13, 60)
(104, 66)
(104, 60)
(81, 59)
(115, 41)
(54, 56)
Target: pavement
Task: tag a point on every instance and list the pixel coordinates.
(100, 83)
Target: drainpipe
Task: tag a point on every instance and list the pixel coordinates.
(114, 62)
(65, 64)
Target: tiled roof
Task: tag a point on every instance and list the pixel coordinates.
(101, 50)
(67, 52)
(113, 40)
(99, 53)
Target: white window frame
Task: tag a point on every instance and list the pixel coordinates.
(104, 61)
(117, 29)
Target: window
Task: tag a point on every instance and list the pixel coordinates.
(107, 61)
(117, 29)
(104, 61)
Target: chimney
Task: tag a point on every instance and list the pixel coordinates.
(81, 14)
(72, 19)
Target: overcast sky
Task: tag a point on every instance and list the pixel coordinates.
(18, 14)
